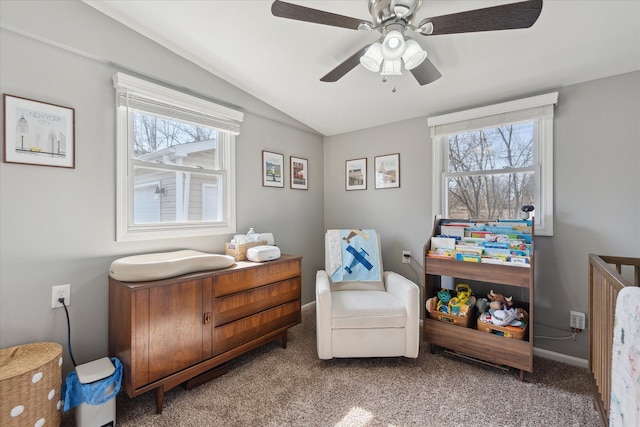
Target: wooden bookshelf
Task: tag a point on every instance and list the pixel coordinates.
(495, 349)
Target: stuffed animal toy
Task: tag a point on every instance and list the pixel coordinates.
(499, 301)
(483, 305)
(503, 317)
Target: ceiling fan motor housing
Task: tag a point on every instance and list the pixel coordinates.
(383, 11)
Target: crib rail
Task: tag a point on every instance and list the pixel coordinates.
(604, 284)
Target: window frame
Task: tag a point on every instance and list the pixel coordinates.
(183, 107)
(538, 109)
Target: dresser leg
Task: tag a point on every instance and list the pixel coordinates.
(284, 340)
(159, 399)
(522, 374)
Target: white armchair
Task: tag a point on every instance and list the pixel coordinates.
(366, 318)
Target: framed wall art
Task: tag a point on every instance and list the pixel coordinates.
(38, 133)
(356, 174)
(272, 169)
(299, 173)
(387, 171)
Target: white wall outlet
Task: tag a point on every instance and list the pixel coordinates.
(577, 320)
(406, 257)
(60, 291)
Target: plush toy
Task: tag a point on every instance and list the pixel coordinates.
(499, 301)
(502, 317)
(505, 317)
(483, 305)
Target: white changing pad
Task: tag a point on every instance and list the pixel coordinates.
(140, 268)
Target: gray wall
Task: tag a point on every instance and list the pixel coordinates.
(596, 189)
(58, 225)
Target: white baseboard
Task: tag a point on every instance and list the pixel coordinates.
(559, 357)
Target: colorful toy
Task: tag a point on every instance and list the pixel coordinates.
(461, 303)
(444, 296)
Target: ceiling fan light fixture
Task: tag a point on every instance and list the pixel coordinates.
(413, 55)
(391, 68)
(372, 58)
(393, 45)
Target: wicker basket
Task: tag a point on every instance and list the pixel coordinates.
(465, 321)
(30, 382)
(239, 250)
(513, 332)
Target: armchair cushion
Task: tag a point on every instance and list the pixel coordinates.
(367, 309)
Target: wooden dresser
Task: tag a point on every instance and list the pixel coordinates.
(167, 332)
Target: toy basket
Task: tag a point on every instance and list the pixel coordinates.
(513, 332)
(465, 321)
(239, 250)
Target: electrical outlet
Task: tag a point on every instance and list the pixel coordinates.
(406, 257)
(577, 320)
(60, 291)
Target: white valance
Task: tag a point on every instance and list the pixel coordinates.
(142, 95)
(540, 106)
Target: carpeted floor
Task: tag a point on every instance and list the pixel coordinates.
(272, 386)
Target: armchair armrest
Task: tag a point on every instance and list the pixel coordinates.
(323, 315)
(408, 292)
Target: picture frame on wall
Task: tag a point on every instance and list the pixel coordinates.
(272, 169)
(387, 171)
(38, 133)
(356, 174)
(299, 168)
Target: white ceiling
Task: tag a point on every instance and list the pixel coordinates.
(280, 61)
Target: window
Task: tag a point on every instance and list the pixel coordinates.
(489, 161)
(175, 163)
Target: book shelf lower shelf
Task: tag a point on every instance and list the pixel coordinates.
(482, 345)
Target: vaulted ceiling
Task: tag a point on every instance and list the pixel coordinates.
(280, 61)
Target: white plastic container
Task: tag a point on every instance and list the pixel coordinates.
(96, 415)
(263, 253)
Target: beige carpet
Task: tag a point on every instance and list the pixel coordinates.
(271, 386)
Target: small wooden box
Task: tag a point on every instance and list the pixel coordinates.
(239, 250)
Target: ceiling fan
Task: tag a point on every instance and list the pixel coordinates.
(393, 18)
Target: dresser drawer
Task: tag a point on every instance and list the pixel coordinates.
(241, 280)
(238, 305)
(242, 331)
